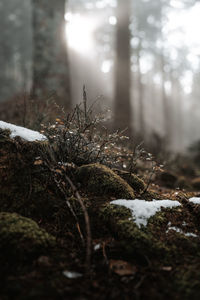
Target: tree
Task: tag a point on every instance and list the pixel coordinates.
(122, 105)
(50, 65)
(15, 50)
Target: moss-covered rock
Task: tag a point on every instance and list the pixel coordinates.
(134, 240)
(133, 180)
(167, 233)
(22, 237)
(100, 180)
(26, 185)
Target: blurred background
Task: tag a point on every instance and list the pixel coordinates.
(140, 58)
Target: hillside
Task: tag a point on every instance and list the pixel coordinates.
(65, 233)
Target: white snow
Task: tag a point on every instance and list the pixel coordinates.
(142, 210)
(179, 230)
(72, 275)
(97, 247)
(190, 234)
(24, 133)
(195, 200)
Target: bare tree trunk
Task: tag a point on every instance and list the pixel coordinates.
(178, 113)
(140, 97)
(50, 65)
(122, 105)
(166, 107)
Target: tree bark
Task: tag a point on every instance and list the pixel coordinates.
(122, 105)
(50, 64)
(140, 96)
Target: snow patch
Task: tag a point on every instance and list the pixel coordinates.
(72, 275)
(142, 210)
(24, 133)
(195, 200)
(97, 247)
(179, 230)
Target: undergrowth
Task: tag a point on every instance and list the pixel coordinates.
(80, 137)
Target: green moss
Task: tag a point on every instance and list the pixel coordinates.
(153, 240)
(150, 195)
(22, 237)
(4, 134)
(159, 220)
(133, 180)
(101, 180)
(132, 238)
(25, 187)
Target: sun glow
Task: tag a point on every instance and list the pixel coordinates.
(182, 31)
(182, 28)
(79, 32)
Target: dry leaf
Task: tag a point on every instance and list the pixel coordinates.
(122, 268)
(58, 171)
(59, 121)
(38, 162)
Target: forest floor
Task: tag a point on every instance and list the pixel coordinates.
(123, 260)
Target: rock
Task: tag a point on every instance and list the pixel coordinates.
(133, 180)
(164, 236)
(21, 237)
(102, 181)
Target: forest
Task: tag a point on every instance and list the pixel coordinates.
(99, 149)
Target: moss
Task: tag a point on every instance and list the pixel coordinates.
(22, 237)
(109, 211)
(153, 240)
(133, 180)
(4, 134)
(186, 280)
(100, 180)
(132, 238)
(159, 220)
(150, 195)
(25, 187)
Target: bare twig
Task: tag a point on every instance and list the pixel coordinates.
(87, 223)
(85, 103)
(86, 216)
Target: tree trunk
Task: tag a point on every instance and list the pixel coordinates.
(122, 105)
(50, 65)
(167, 119)
(178, 113)
(140, 96)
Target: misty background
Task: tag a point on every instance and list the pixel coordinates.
(142, 57)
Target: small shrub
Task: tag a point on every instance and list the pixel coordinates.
(80, 138)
